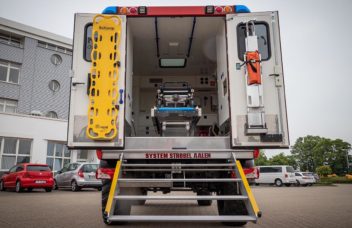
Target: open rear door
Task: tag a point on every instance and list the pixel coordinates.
(256, 83)
(97, 101)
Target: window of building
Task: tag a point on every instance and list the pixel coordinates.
(56, 59)
(7, 105)
(57, 155)
(11, 40)
(52, 114)
(262, 32)
(14, 151)
(54, 85)
(54, 47)
(82, 155)
(9, 72)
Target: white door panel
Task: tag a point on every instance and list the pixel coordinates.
(79, 98)
(257, 111)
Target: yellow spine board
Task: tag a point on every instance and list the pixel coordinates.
(104, 73)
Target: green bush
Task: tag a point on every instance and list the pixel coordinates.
(323, 170)
(336, 180)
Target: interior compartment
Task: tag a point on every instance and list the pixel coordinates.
(177, 49)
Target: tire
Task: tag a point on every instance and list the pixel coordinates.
(287, 185)
(2, 187)
(121, 208)
(231, 207)
(29, 189)
(298, 183)
(18, 187)
(99, 189)
(48, 189)
(74, 186)
(55, 185)
(278, 182)
(204, 202)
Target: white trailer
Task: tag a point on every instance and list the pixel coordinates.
(177, 98)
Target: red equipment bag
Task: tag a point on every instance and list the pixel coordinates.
(253, 67)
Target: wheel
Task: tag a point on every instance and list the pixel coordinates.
(2, 187)
(99, 189)
(121, 208)
(231, 207)
(74, 186)
(48, 189)
(298, 183)
(55, 185)
(310, 184)
(287, 185)
(256, 184)
(278, 182)
(29, 189)
(204, 202)
(18, 187)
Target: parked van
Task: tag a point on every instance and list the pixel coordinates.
(276, 174)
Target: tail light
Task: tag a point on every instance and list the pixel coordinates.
(286, 175)
(80, 173)
(26, 175)
(256, 153)
(99, 154)
(105, 173)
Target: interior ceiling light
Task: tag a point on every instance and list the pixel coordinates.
(173, 44)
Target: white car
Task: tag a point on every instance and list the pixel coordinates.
(304, 178)
(276, 174)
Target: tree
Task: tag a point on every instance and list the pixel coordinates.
(262, 159)
(282, 159)
(323, 170)
(314, 151)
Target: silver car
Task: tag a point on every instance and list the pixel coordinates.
(77, 176)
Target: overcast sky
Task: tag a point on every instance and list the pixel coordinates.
(316, 38)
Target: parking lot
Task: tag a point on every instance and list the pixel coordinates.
(329, 206)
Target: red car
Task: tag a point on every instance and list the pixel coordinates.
(28, 176)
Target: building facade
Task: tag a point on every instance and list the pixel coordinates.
(34, 97)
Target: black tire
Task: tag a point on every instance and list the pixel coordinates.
(278, 183)
(48, 189)
(99, 189)
(74, 186)
(18, 187)
(204, 202)
(121, 208)
(56, 187)
(231, 207)
(2, 187)
(29, 189)
(287, 185)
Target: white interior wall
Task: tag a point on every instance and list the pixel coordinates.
(222, 75)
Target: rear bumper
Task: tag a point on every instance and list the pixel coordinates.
(289, 181)
(89, 184)
(307, 181)
(31, 183)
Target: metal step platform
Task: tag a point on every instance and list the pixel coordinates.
(120, 181)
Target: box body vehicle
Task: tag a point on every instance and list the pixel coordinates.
(304, 178)
(173, 92)
(277, 174)
(28, 176)
(77, 176)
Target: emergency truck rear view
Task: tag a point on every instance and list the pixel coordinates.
(177, 98)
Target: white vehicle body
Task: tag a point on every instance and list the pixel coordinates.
(276, 174)
(304, 178)
(218, 78)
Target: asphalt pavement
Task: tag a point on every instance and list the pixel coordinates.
(305, 207)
